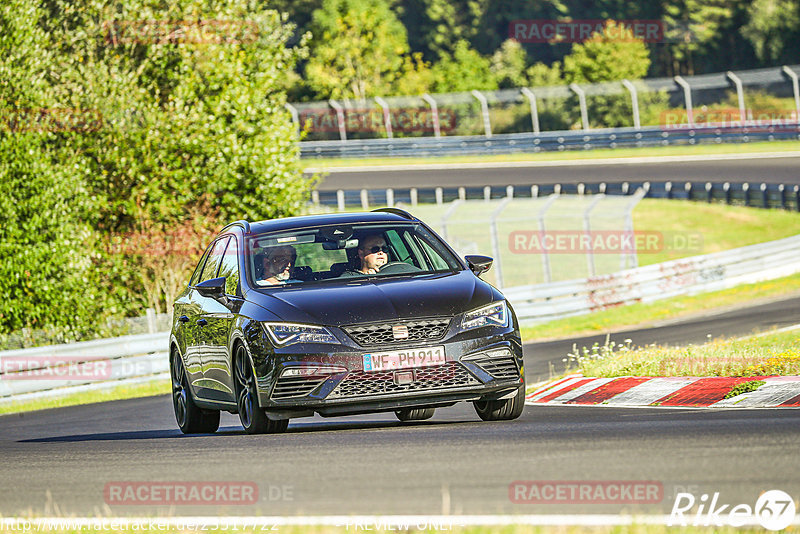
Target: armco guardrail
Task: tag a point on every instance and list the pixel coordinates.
(100, 364)
(721, 270)
(103, 364)
(547, 141)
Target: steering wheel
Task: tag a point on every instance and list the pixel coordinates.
(394, 267)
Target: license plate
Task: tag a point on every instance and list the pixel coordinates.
(404, 359)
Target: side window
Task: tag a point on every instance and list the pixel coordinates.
(399, 247)
(210, 269)
(230, 268)
(199, 269)
(438, 262)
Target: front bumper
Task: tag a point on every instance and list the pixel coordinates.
(477, 367)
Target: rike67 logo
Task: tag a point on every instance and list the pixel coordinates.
(773, 510)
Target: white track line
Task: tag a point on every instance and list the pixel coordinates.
(580, 390)
(356, 522)
(561, 385)
(648, 392)
(554, 163)
(771, 394)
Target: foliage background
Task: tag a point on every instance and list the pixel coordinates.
(121, 157)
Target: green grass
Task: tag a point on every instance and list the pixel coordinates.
(683, 150)
(744, 387)
(774, 353)
(716, 226)
(161, 387)
(636, 315)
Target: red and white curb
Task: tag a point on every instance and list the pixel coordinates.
(690, 391)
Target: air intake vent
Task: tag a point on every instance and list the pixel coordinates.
(292, 387)
(364, 384)
(502, 368)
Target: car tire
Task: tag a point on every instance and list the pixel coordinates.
(253, 418)
(191, 418)
(502, 410)
(415, 414)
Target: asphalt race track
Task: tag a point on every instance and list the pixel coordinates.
(756, 170)
(59, 462)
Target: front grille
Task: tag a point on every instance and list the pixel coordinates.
(290, 387)
(502, 368)
(364, 384)
(369, 335)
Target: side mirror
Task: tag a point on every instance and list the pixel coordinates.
(478, 264)
(214, 288)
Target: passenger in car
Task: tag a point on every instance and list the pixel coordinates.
(278, 264)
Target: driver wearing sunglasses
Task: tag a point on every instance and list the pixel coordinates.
(373, 253)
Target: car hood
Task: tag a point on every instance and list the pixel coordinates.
(377, 300)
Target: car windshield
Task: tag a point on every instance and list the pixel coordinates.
(345, 252)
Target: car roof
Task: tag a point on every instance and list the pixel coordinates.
(291, 223)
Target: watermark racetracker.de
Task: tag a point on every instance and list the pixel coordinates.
(173, 32)
(580, 30)
(192, 493)
(603, 242)
(585, 492)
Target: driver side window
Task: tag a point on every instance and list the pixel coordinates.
(213, 261)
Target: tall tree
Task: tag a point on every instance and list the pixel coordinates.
(690, 27)
(357, 50)
(771, 25)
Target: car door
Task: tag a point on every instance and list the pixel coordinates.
(186, 311)
(204, 331)
(217, 371)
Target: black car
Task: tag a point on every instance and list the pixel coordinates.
(340, 314)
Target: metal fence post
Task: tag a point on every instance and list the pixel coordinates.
(740, 94)
(439, 196)
(487, 125)
(797, 198)
(542, 234)
(587, 228)
(340, 118)
(687, 98)
(413, 194)
(634, 102)
(387, 117)
(534, 109)
(390, 197)
(437, 132)
(726, 187)
(764, 196)
(446, 215)
(782, 191)
(746, 190)
(495, 240)
(709, 192)
(582, 101)
(633, 255)
(487, 193)
(795, 89)
(340, 199)
(364, 199)
(295, 115)
(151, 321)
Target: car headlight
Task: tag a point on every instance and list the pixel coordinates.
(285, 334)
(495, 314)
